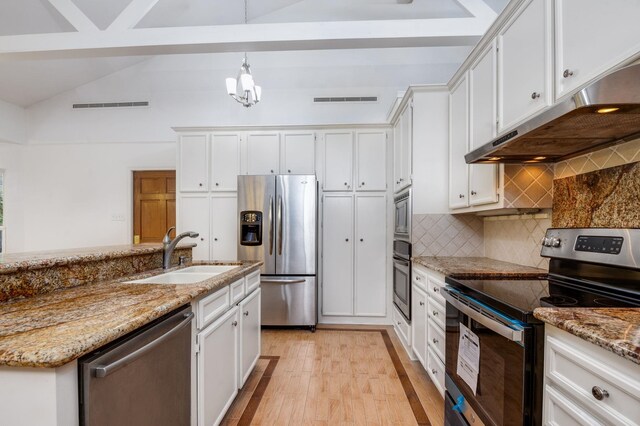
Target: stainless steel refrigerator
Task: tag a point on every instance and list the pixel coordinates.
(277, 224)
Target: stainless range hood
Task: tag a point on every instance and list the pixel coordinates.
(602, 114)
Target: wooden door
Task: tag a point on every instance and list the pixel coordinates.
(154, 205)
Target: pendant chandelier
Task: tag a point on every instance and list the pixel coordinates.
(243, 89)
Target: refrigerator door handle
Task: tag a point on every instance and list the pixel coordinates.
(271, 226)
(280, 213)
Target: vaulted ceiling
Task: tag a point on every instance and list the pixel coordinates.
(50, 46)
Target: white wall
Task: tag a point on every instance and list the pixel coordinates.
(72, 191)
(12, 123)
(11, 156)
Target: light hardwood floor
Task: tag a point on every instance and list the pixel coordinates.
(335, 376)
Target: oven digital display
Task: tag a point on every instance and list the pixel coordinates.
(609, 245)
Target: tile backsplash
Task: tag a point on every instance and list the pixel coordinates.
(516, 238)
(447, 235)
(617, 155)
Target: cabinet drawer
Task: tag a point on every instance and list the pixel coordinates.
(252, 282)
(402, 327)
(212, 306)
(561, 411)
(419, 278)
(435, 290)
(581, 372)
(237, 291)
(435, 369)
(436, 339)
(436, 312)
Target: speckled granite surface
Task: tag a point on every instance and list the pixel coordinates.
(478, 267)
(615, 329)
(30, 274)
(52, 329)
(607, 198)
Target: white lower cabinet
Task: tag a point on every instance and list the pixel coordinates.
(428, 320)
(249, 335)
(224, 220)
(586, 384)
(217, 368)
(194, 216)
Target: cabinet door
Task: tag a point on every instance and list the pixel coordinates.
(371, 154)
(483, 184)
(407, 146)
(194, 216)
(419, 324)
(298, 153)
(524, 64)
(482, 98)
(593, 36)
(249, 335)
(337, 255)
(338, 161)
(225, 161)
(397, 155)
(217, 374)
(458, 144)
(263, 153)
(370, 256)
(193, 165)
(224, 227)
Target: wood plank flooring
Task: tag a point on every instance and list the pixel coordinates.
(336, 376)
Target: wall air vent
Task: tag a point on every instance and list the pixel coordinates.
(346, 99)
(111, 105)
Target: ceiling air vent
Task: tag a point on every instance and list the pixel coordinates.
(346, 99)
(112, 105)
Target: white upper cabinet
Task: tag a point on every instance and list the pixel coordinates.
(371, 156)
(338, 161)
(483, 184)
(194, 216)
(225, 161)
(263, 153)
(298, 153)
(337, 254)
(524, 63)
(403, 144)
(397, 155)
(194, 165)
(458, 144)
(224, 220)
(482, 107)
(593, 36)
(370, 255)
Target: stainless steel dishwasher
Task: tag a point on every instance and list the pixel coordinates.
(141, 379)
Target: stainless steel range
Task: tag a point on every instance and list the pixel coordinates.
(588, 268)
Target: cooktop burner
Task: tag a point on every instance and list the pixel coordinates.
(558, 301)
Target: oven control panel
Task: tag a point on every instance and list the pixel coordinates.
(598, 244)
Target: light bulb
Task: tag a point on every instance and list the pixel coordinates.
(232, 84)
(258, 90)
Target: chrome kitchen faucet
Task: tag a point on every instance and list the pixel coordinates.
(169, 245)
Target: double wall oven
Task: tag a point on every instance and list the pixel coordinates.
(402, 253)
(588, 268)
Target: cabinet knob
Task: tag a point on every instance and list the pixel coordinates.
(401, 180)
(567, 73)
(421, 303)
(199, 184)
(235, 323)
(433, 370)
(436, 289)
(361, 240)
(599, 393)
(417, 277)
(201, 238)
(398, 322)
(397, 182)
(474, 193)
(535, 95)
(217, 184)
(435, 313)
(461, 196)
(346, 184)
(271, 170)
(435, 341)
(362, 183)
(246, 313)
(346, 239)
(288, 170)
(215, 239)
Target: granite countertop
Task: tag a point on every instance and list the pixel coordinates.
(478, 267)
(615, 329)
(52, 329)
(12, 262)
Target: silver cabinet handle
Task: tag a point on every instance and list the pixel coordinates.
(105, 370)
(235, 323)
(280, 225)
(246, 313)
(263, 281)
(599, 393)
(535, 95)
(421, 303)
(461, 196)
(474, 193)
(271, 226)
(567, 73)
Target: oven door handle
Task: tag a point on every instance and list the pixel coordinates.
(454, 297)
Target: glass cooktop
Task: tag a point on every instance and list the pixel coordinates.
(518, 298)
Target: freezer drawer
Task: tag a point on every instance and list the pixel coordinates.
(288, 300)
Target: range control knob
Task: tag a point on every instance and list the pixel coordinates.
(546, 242)
(555, 242)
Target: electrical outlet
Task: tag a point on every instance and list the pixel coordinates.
(117, 217)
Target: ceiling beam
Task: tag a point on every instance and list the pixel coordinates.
(249, 37)
(132, 15)
(74, 15)
(478, 8)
